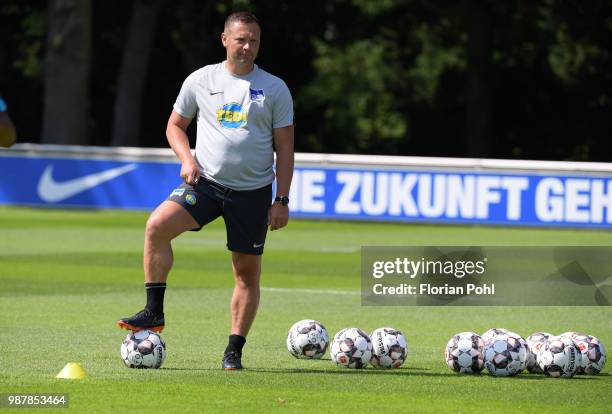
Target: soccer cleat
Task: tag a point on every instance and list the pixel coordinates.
(145, 319)
(231, 361)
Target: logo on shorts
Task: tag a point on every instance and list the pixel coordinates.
(232, 115)
(178, 192)
(190, 199)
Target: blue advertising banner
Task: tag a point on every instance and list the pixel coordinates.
(72, 182)
(457, 197)
(364, 193)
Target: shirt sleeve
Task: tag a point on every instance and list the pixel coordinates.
(186, 104)
(282, 110)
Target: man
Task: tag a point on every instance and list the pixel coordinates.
(7, 129)
(244, 114)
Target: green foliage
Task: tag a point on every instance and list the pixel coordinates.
(568, 58)
(375, 7)
(363, 88)
(225, 7)
(353, 90)
(433, 60)
(30, 39)
(368, 76)
(571, 55)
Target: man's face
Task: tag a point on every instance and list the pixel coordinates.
(241, 40)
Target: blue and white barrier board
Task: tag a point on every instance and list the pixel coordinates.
(403, 189)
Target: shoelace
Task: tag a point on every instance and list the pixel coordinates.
(232, 357)
(143, 312)
(147, 313)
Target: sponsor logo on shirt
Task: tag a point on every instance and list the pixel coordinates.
(232, 115)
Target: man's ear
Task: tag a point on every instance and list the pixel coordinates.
(224, 39)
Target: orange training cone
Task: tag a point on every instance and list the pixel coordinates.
(72, 370)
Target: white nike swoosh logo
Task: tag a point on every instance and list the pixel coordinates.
(255, 245)
(52, 191)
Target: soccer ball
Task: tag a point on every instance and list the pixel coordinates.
(390, 348)
(559, 357)
(488, 335)
(465, 353)
(351, 348)
(576, 337)
(571, 334)
(593, 354)
(534, 343)
(143, 349)
(524, 343)
(505, 355)
(307, 339)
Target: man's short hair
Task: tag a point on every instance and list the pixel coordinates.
(245, 17)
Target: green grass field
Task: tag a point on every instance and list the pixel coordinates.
(66, 276)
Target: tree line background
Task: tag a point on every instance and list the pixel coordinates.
(480, 78)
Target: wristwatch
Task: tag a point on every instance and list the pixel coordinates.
(283, 200)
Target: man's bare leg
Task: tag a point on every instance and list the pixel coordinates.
(244, 304)
(165, 223)
(245, 300)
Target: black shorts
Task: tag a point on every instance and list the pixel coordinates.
(245, 212)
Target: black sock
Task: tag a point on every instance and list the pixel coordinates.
(235, 344)
(155, 297)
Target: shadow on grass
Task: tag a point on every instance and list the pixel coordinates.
(417, 372)
(370, 371)
(408, 372)
(544, 377)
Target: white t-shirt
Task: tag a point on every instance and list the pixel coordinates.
(236, 118)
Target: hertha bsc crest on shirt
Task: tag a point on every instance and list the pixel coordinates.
(232, 115)
(257, 95)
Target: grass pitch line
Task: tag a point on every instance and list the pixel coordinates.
(316, 291)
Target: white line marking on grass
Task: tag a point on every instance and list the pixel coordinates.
(315, 291)
(336, 249)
